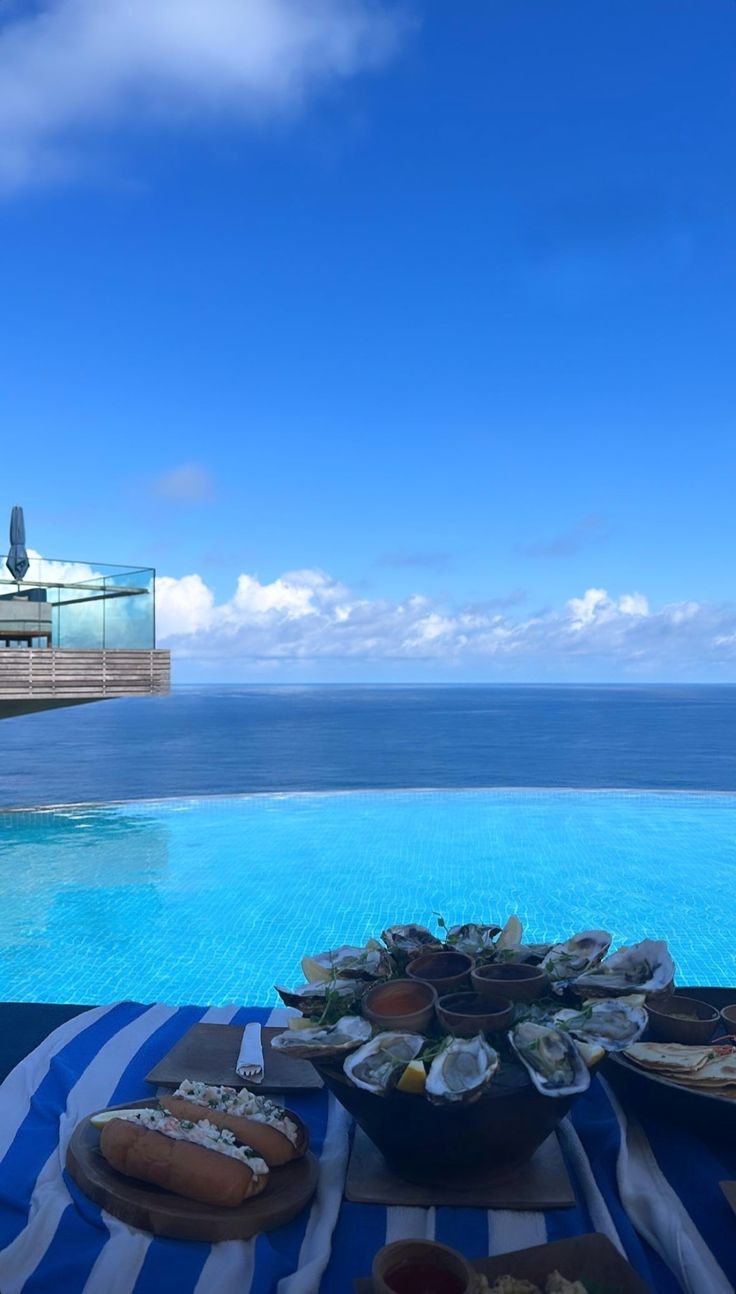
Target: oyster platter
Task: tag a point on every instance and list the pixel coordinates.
(471, 1035)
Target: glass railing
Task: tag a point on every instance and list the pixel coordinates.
(78, 604)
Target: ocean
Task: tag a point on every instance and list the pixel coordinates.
(239, 739)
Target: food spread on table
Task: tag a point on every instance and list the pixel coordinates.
(584, 1002)
(215, 1145)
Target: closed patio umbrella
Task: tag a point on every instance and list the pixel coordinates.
(17, 562)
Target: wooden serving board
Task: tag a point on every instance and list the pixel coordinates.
(207, 1053)
(711, 1115)
(140, 1204)
(591, 1259)
(543, 1183)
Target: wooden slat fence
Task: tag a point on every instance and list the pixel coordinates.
(65, 672)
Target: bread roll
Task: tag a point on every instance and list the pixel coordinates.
(188, 1169)
(271, 1144)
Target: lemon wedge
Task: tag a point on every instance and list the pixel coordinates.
(413, 1079)
(300, 1022)
(99, 1120)
(313, 972)
(590, 1052)
(511, 934)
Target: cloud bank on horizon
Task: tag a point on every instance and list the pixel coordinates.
(72, 68)
(307, 616)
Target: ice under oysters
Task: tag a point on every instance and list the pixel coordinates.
(551, 1059)
(462, 1070)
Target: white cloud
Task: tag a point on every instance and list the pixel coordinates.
(183, 606)
(70, 68)
(189, 483)
(307, 616)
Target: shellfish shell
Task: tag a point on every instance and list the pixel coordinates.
(462, 1070)
(551, 1059)
(311, 999)
(410, 939)
(611, 1023)
(645, 967)
(567, 960)
(326, 1041)
(378, 1065)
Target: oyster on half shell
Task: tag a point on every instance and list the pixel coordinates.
(324, 1042)
(348, 962)
(409, 940)
(612, 1023)
(472, 938)
(311, 999)
(565, 961)
(379, 1064)
(551, 1059)
(462, 1070)
(645, 967)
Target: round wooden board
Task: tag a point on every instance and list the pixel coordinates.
(150, 1208)
(708, 1113)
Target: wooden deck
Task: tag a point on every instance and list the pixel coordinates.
(44, 678)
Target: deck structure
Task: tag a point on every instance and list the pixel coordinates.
(46, 678)
(73, 632)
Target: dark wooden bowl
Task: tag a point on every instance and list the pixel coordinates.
(439, 1144)
(448, 972)
(675, 1018)
(728, 1016)
(514, 980)
(405, 1004)
(467, 1014)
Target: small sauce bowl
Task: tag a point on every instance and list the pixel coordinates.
(728, 1016)
(410, 1265)
(514, 980)
(467, 1014)
(403, 1004)
(673, 1018)
(445, 971)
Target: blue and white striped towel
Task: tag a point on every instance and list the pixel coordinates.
(53, 1240)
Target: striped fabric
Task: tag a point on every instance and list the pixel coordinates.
(654, 1193)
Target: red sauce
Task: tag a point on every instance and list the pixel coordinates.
(398, 999)
(419, 1277)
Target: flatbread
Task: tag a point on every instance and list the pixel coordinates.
(674, 1057)
(705, 1069)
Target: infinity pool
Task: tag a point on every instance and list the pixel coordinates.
(215, 900)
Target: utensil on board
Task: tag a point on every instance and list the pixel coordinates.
(249, 1064)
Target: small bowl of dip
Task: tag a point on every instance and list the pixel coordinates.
(467, 1014)
(445, 971)
(515, 980)
(674, 1018)
(404, 1004)
(421, 1267)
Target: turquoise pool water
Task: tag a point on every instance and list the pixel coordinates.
(214, 900)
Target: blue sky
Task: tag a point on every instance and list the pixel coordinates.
(431, 304)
